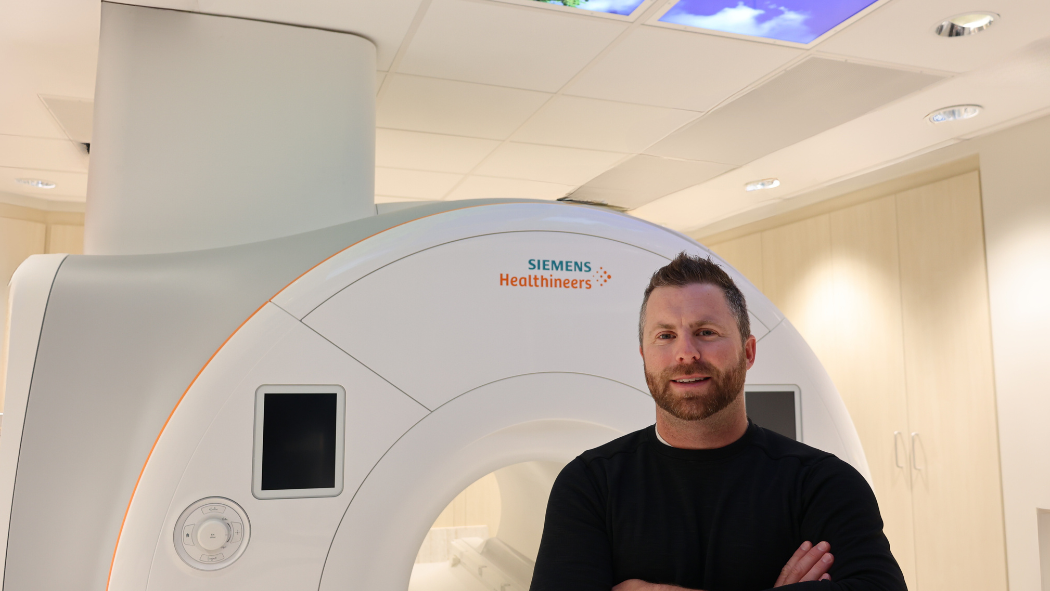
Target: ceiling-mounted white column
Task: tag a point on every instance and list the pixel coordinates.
(213, 131)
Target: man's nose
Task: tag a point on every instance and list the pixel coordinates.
(687, 350)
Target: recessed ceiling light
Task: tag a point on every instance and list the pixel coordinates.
(762, 184)
(955, 113)
(966, 24)
(38, 183)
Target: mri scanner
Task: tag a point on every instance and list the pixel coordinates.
(295, 413)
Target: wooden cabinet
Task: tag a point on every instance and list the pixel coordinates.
(65, 238)
(891, 294)
(18, 239)
(957, 492)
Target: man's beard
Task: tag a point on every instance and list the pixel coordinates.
(726, 387)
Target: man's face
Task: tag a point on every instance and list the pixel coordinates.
(695, 364)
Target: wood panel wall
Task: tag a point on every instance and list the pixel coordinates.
(891, 294)
(478, 504)
(25, 232)
(65, 238)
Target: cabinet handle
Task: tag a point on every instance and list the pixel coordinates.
(896, 454)
(915, 452)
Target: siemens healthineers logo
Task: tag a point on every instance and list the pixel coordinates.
(593, 277)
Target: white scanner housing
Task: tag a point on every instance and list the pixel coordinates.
(133, 402)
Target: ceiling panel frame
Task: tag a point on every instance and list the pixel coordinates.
(475, 40)
(643, 14)
(654, 21)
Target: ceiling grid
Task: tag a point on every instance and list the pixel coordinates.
(633, 26)
(510, 98)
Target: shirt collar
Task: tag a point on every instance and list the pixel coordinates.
(660, 439)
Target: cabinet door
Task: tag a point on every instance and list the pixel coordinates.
(959, 539)
(866, 359)
(836, 277)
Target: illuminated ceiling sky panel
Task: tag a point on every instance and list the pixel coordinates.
(799, 21)
(624, 7)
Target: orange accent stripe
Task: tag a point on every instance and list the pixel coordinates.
(109, 577)
(148, 456)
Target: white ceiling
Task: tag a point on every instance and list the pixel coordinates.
(480, 98)
(815, 95)
(676, 69)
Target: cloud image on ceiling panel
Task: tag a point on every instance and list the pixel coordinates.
(624, 7)
(798, 21)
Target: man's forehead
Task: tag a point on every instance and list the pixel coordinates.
(693, 294)
(697, 302)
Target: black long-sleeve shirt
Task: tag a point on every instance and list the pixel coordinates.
(724, 519)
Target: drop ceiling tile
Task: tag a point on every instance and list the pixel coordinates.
(414, 184)
(677, 69)
(569, 166)
(505, 44)
(454, 108)
(45, 49)
(814, 96)
(42, 153)
(74, 116)
(902, 32)
(69, 186)
(385, 23)
(577, 122)
(646, 178)
(482, 187)
(430, 151)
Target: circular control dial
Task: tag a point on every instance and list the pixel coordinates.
(211, 533)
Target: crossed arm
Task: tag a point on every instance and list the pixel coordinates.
(838, 507)
(808, 563)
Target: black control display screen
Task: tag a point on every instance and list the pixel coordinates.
(299, 438)
(773, 410)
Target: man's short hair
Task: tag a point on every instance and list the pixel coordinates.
(687, 270)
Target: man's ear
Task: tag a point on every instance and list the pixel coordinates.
(641, 352)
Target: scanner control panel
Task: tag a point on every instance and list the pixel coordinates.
(211, 533)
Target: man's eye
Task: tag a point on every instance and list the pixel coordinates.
(664, 336)
(706, 333)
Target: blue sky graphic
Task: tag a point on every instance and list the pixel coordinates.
(800, 21)
(624, 7)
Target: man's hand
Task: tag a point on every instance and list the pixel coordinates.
(809, 563)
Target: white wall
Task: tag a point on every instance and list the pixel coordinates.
(1014, 167)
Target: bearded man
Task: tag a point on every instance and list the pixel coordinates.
(706, 499)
